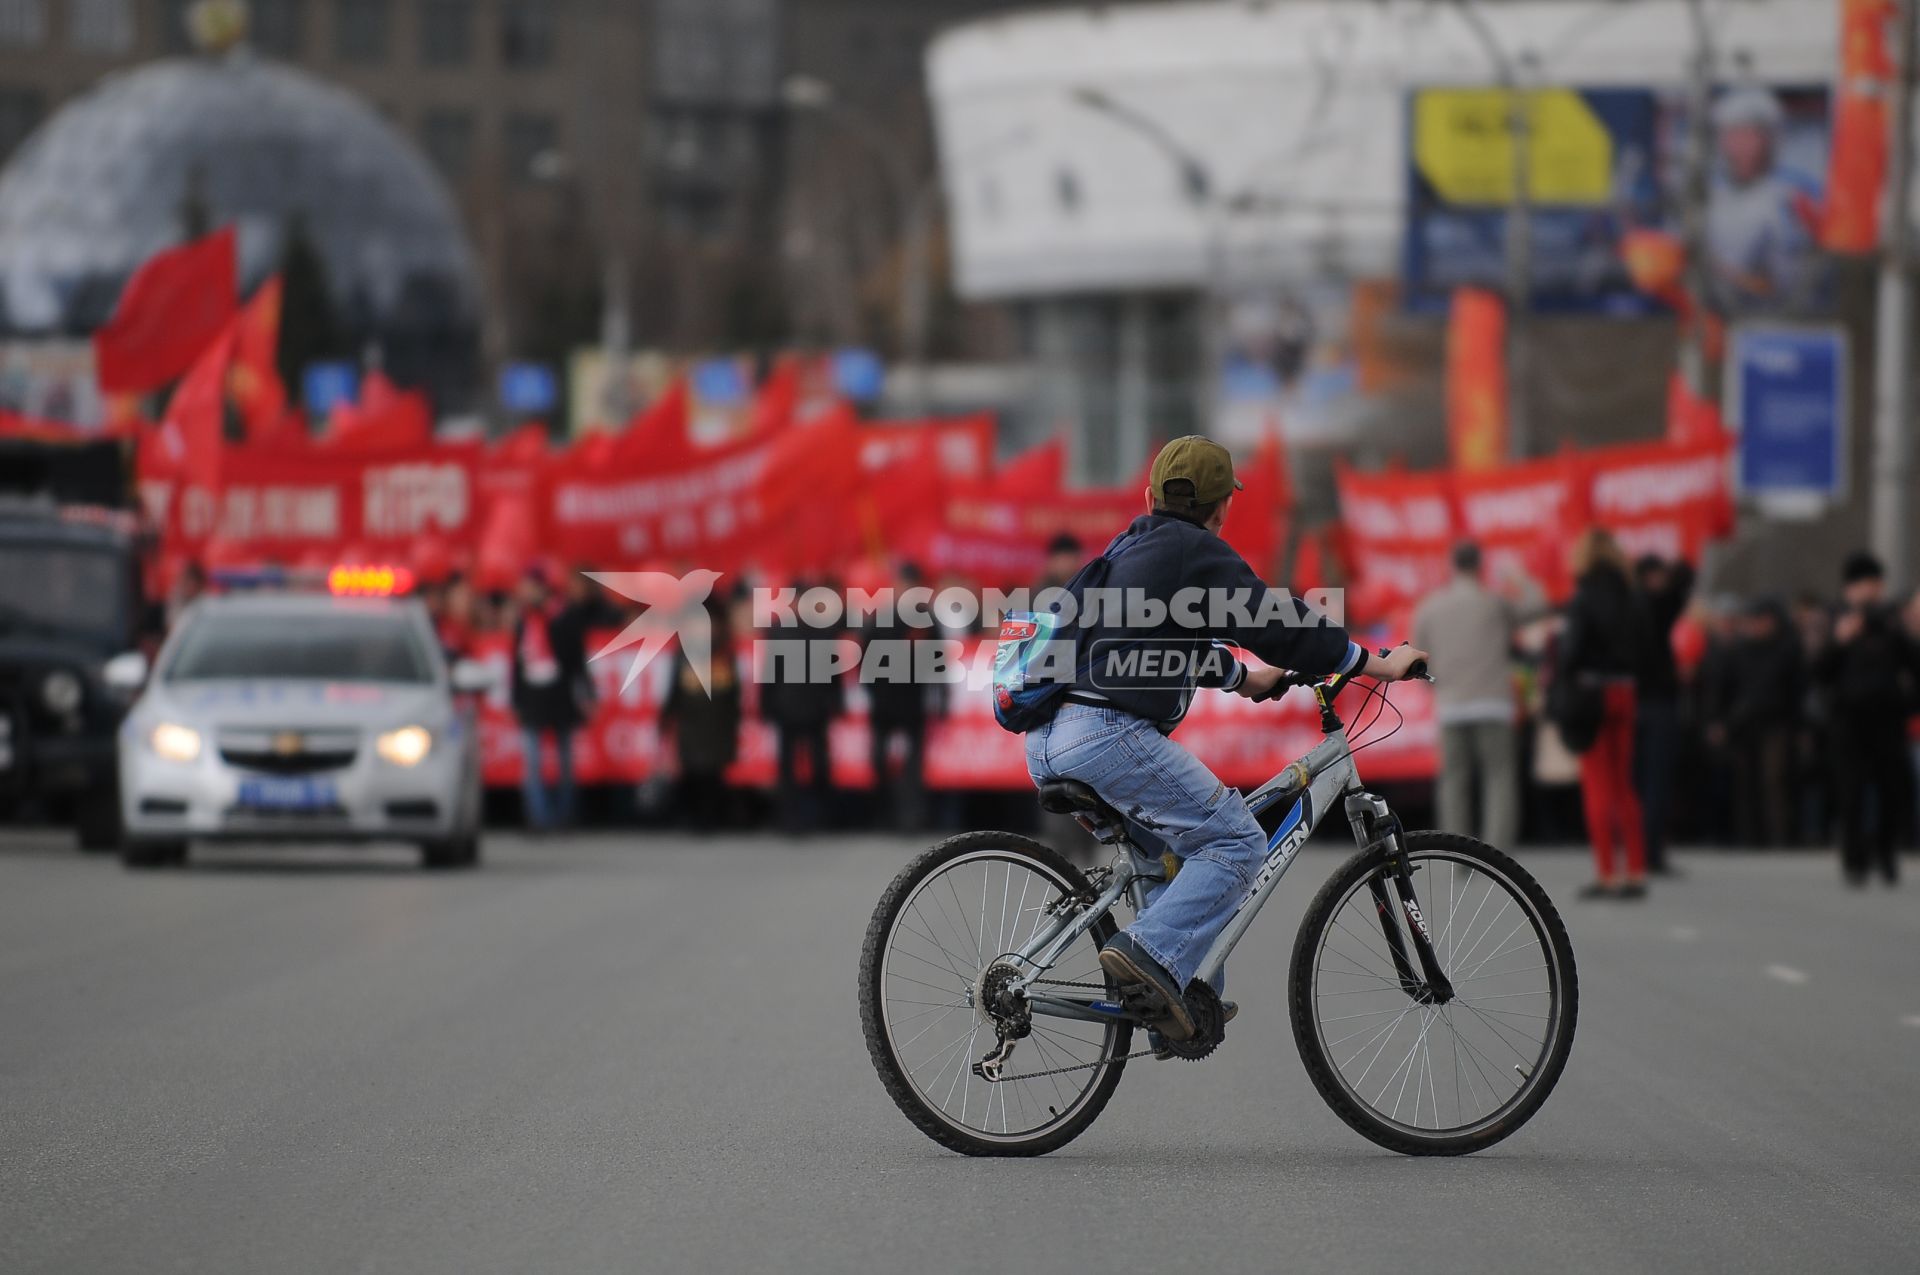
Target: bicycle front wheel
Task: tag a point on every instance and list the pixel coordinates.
(942, 933)
(1420, 1077)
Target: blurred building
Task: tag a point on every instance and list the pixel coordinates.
(631, 169)
(1108, 167)
(493, 93)
(298, 168)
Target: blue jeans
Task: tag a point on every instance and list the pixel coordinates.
(1167, 793)
(533, 787)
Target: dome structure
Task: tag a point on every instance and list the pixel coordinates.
(109, 179)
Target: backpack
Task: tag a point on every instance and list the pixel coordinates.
(1037, 658)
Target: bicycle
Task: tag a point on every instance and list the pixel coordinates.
(1368, 974)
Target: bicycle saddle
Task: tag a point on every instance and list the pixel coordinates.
(1065, 796)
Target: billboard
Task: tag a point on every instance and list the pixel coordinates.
(1786, 390)
(1602, 163)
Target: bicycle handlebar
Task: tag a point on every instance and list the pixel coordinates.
(1338, 681)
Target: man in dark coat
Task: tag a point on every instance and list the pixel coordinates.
(705, 724)
(1664, 587)
(898, 709)
(802, 709)
(1760, 714)
(1869, 674)
(551, 693)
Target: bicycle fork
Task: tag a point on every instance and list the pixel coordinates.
(1430, 985)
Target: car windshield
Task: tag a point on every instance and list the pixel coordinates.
(345, 646)
(51, 588)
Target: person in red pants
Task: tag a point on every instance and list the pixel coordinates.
(1600, 653)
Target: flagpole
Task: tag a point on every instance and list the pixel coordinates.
(1518, 245)
(1893, 385)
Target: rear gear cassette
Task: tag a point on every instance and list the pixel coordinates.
(1009, 1015)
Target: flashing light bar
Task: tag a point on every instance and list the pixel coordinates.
(369, 581)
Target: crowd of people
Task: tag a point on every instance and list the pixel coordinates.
(1756, 722)
(548, 618)
(1635, 714)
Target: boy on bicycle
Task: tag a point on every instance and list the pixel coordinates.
(1111, 729)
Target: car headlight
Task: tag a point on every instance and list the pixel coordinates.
(60, 692)
(174, 741)
(406, 746)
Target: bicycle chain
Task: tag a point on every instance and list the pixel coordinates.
(1039, 1075)
(1057, 1071)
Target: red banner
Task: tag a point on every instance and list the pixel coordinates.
(1682, 486)
(1524, 516)
(171, 310)
(298, 505)
(1245, 743)
(1399, 530)
(1663, 498)
(1857, 161)
(705, 510)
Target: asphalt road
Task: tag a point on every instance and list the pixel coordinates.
(642, 1053)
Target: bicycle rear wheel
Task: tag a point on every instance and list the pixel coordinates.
(939, 930)
(1423, 1078)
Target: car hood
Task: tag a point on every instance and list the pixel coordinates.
(279, 704)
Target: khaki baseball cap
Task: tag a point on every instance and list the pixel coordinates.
(1201, 461)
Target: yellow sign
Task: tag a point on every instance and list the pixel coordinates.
(1463, 144)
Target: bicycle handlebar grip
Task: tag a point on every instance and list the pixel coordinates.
(1417, 669)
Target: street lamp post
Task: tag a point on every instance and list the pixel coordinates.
(1893, 378)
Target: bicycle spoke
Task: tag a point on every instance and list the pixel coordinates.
(1399, 1055)
(957, 922)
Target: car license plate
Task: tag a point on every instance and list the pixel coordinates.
(276, 793)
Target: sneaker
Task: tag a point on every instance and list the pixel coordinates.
(1158, 1043)
(1597, 890)
(1128, 962)
(1633, 890)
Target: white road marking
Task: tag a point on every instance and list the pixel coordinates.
(1787, 974)
(1684, 933)
(1910, 1020)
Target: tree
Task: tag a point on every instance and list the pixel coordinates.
(310, 329)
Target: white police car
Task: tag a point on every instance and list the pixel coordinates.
(276, 717)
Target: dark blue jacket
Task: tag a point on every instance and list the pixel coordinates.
(1161, 554)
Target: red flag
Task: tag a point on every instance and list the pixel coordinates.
(657, 435)
(810, 480)
(1034, 474)
(774, 406)
(1691, 418)
(386, 418)
(173, 306)
(254, 381)
(1313, 565)
(1857, 160)
(525, 445)
(1476, 379)
(195, 415)
(1253, 524)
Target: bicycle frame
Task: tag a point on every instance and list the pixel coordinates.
(1315, 782)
